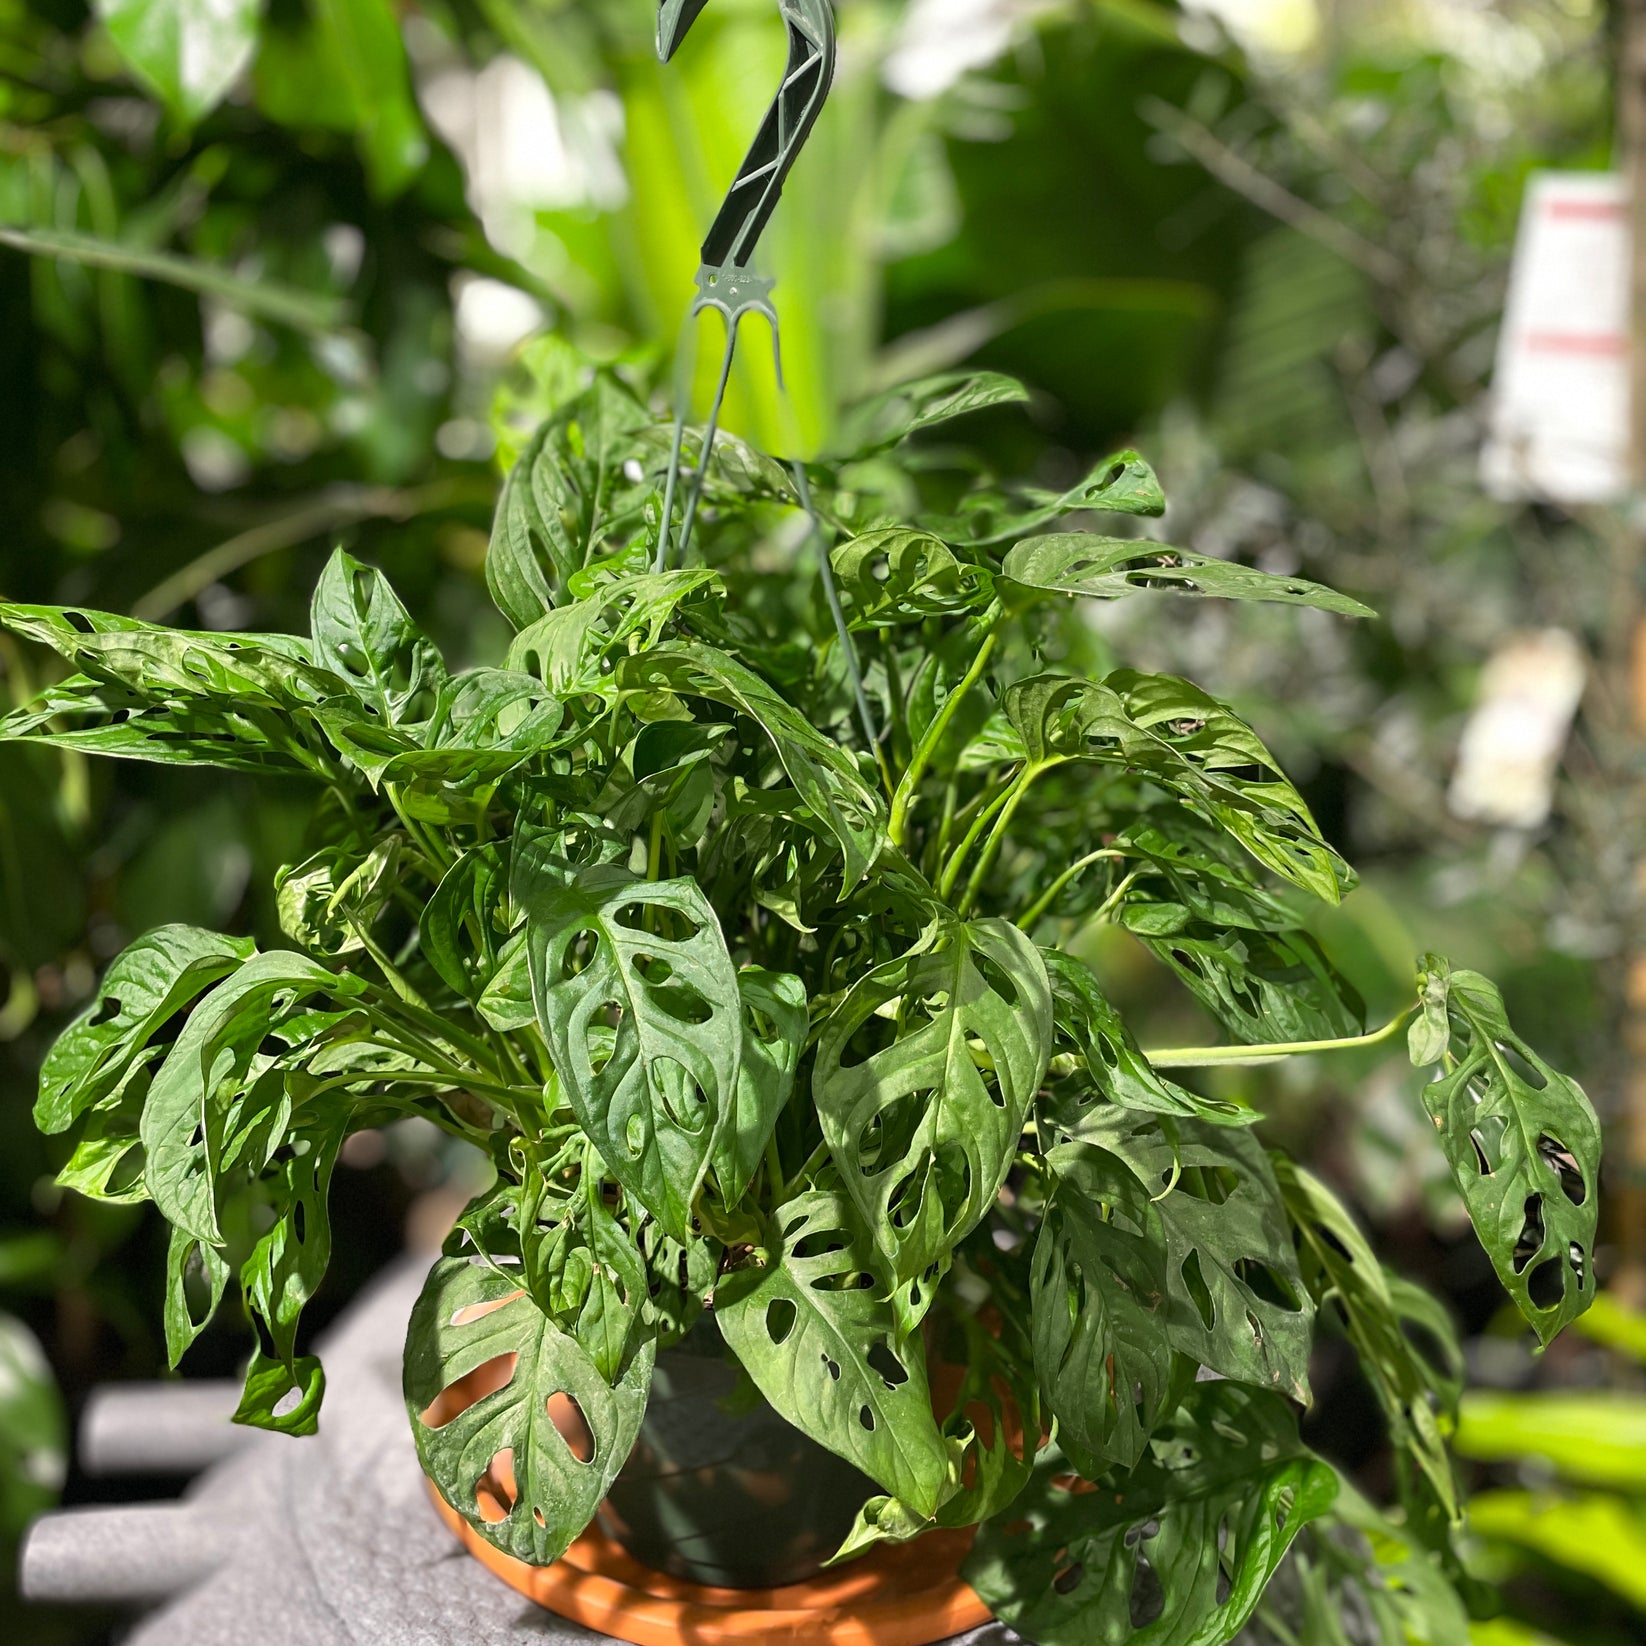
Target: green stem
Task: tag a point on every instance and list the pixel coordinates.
(1197, 1057)
(774, 1169)
(951, 870)
(997, 833)
(904, 798)
(1042, 903)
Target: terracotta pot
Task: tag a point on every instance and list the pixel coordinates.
(716, 1528)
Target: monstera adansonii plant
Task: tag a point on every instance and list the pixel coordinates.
(755, 1014)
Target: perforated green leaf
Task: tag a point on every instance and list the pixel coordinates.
(472, 1315)
(363, 633)
(822, 772)
(145, 986)
(924, 1077)
(572, 491)
(1176, 1552)
(1110, 568)
(638, 1001)
(1524, 1147)
(823, 1348)
(893, 415)
(1101, 1347)
(1234, 1298)
(896, 576)
(1119, 1071)
(774, 1030)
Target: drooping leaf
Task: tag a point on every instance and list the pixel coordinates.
(150, 981)
(1110, 568)
(895, 414)
(216, 1087)
(1234, 1297)
(605, 956)
(1120, 1072)
(1101, 1346)
(189, 52)
(465, 923)
(1524, 1147)
(280, 1397)
(1418, 1393)
(190, 1260)
(895, 576)
(820, 769)
(1121, 484)
(573, 492)
(363, 633)
(502, 1462)
(1176, 1552)
(823, 1348)
(923, 1079)
(774, 1030)
(1175, 735)
(368, 50)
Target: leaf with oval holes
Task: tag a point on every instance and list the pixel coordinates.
(892, 416)
(329, 902)
(198, 1103)
(571, 493)
(815, 1332)
(1175, 1552)
(1234, 1298)
(280, 1397)
(465, 923)
(924, 1119)
(146, 985)
(1524, 1147)
(363, 633)
(1110, 568)
(502, 1461)
(570, 648)
(653, 1097)
(1120, 1072)
(289, 1261)
(823, 773)
(774, 1031)
(1121, 484)
(894, 576)
(1099, 1300)
(190, 1260)
(1356, 1562)
(1174, 734)
(1378, 1311)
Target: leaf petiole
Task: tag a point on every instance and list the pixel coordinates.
(1197, 1057)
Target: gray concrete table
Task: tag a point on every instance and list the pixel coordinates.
(325, 1541)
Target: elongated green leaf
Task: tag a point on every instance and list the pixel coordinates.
(192, 1268)
(1101, 1346)
(821, 771)
(1592, 1437)
(189, 52)
(567, 648)
(364, 635)
(1121, 484)
(1176, 1552)
(368, 49)
(774, 1030)
(1110, 568)
(265, 299)
(469, 1316)
(1524, 1147)
(896, 576)
(897, 413)
(197, 1110)
(464, 924)
(1173, 733)
(924, 1077)
(1419, 1397)
(573, 493)
(145, 986)
(824, 1349)
(654, 1097)
(1234, 1297)
(1120, 1072)
(329, 902)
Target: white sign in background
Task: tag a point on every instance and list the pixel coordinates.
(1560, 401)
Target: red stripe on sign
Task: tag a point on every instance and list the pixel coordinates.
(1593, 210)
(1575, 342)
